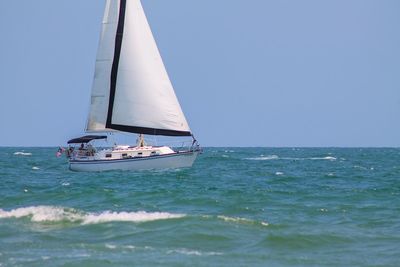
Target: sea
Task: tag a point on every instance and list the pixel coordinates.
(234, 207)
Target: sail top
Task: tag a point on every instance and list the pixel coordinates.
(131, 90)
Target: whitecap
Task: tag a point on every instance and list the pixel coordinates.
(141, 216)
(59, 214)
(324, 158)
(21, 153)
(65, 184)
(42, 214)
(189, 252)
(240, 220)
(279, 173)
(313, 158)
(287, 158)
(109, 246)
(128, 247)
(35, 168)
(272, 157)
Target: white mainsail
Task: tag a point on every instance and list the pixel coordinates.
(131, 90)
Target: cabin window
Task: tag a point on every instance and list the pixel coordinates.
(108, 155)
(140, 154)
(124, 155)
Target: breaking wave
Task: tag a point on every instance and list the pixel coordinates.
(60, 214)
(324, 158)
(313, 158)
(241, 220)
(275, 157)
(22, 154)
(140, 216)
(272, 157)
(189, 252)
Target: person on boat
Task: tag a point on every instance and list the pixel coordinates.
(90, 150)
(140, 141)
(82, 150)
(69, 152)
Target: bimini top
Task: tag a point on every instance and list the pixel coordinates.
(86, 139)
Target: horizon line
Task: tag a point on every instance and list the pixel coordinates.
(6, 146)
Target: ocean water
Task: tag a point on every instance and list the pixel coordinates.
(235, 207)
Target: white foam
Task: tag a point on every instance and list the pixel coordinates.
(42, 213)
(35, 168)
(241, 220)
(189, 252)
(275, 157)
(109, 246)
(140, 216)
(21, 153)
(279, 173)
(313, 158)
(272, 157)
(326, 158)
(58, 214)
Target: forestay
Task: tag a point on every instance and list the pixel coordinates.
(132, 91)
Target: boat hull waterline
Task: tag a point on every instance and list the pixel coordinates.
(171, 161)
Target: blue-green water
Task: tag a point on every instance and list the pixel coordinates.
(235, 207)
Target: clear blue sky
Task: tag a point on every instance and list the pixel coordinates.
(247, 72)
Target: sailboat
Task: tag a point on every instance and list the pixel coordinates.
(131, 93)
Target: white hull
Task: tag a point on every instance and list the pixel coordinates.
(170, 161)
